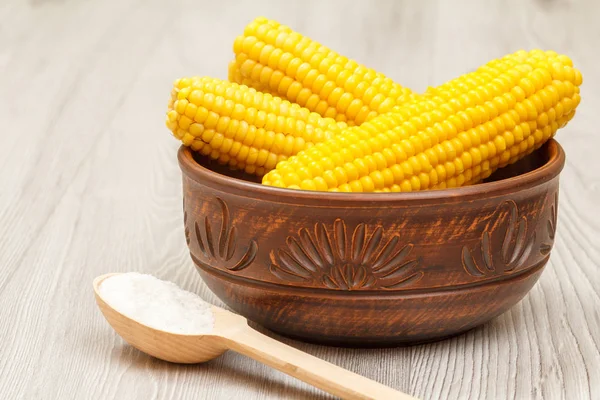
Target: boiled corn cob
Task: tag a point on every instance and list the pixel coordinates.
(239, 126)
(445, 140)
(272, 58)
(437, 96)
(457, 92)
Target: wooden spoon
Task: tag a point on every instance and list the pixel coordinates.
(231, 332)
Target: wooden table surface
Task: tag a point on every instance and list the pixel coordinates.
(89, 184)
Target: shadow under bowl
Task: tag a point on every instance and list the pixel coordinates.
(366, 269)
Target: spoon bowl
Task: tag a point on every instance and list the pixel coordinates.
(168, 346)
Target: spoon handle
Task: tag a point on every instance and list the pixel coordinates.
(319, 373)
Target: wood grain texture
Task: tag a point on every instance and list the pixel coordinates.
(89, 184)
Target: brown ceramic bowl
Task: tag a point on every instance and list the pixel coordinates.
(372, 269)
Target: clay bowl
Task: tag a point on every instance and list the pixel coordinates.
(371, 269)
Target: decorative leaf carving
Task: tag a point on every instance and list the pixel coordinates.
(219, 246)
(340, 259)
(185, 225)
(469, 263)
(546, 246)
(516, 244)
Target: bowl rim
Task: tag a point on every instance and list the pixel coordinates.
(548, 171)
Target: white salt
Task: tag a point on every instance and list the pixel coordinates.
(158, 304)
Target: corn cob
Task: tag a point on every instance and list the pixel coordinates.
(458, 139)
(436, 97)
(239, 126)
(272, 57)
(486, 77)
